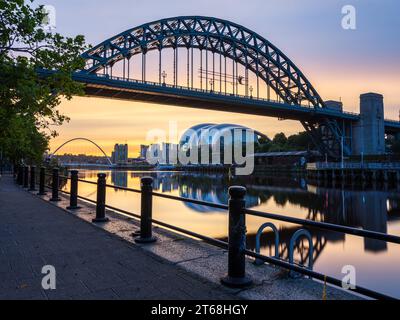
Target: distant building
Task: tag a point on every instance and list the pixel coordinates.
(120, 154)
(169, 151)
(154, 152)
(163, 153)
(143, 151)
(81, 159)
(285, 158)
(165, 148)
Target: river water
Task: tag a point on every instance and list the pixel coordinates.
(376, 262)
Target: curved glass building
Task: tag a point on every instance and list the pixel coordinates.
(219, 144)
(210, 133)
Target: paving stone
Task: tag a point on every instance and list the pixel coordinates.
(101, 261)
(90, 264)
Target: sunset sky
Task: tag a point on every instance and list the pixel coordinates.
(341, 64)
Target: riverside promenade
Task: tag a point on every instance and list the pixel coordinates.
(102, 260)
(90, 263)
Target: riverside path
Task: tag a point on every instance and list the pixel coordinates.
(89, 262)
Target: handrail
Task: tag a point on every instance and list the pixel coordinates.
(161, 195)
(222, 93)
(272, 260)
(219, 243)
(200, 202)
(88, 182)
(366, 165)
(214, 92)
(327, 226)
(321, 225)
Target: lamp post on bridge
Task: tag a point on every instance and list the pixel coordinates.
(341, 151)
(164, 75)
(362, 159)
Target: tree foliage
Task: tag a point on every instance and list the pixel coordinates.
(295, 142)
(28, 102)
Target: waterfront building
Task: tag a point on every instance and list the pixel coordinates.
(143, 151)
(165, 152)
(154, 151)
(285, 158)
(168, 152)
(120, 154)
(225, 135)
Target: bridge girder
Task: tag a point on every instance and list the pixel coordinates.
(220, 36)
(232, 41)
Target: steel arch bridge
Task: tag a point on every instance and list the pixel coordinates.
(84, 139)
(226, 53)
(216, 35)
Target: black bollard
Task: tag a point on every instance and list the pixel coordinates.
(17, 174)
(20, 175)
(236, 277)
(101, 199)
(73, 197)
(32, 186)
(146, 211)
(42, 177)
(54, 186)
(26, 177)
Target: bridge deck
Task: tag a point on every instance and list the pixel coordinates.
(153, 92)
(119, 88)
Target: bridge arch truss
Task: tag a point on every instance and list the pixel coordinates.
(84, 139)
(227, 40)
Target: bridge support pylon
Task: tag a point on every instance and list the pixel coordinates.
(369, 131)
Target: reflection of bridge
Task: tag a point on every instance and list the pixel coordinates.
(231, 60)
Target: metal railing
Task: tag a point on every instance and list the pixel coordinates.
(395, 122)
(227, 94)
(171, 86)
(250, 97)
(236, 245)
(301, 105)
(354, 165)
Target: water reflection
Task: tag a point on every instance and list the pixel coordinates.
(370, 209)
(119, 178)
(366, 209)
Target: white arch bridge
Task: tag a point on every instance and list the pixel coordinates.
(84, 139)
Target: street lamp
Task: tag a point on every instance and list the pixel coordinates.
(164, 75)
(211, 82)
(362, 159)
(341, 144)
(251, 92)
